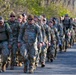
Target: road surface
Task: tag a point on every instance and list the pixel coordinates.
(64, 64)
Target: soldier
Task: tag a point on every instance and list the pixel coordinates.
(29, 33)
(46, 40)
(20, 19)
(52, 47)
(56, 28)
(19, 57)
(37, 57)
(61, 36)
(5, 43)
(24, 18)
(14, 25)
(66, 22)
(67, 26)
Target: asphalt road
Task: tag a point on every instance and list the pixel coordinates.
(64, 64)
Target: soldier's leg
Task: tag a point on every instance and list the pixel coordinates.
(19, 58)
(60, 44)
(43, 56)
(37, 59)
(23, 52)
(5, 53)
(48, 53)
(38, 56)
(32, 58)
(0, 57)
(53, 52)
(13, 56)
(0, 61)
(55, 46)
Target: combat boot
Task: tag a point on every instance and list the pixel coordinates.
(20, 64)
(60, 48)
(4, 67)
(25, 69)
(12, 66)
(25, 66)
(31, 70)
(32, 67)
(35, 66)
(42, 64)
(69, 45)
(0, 64)
(0, 67)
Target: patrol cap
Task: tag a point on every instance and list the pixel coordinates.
(30, 17)
(1, 19)
(12, 14)
(40, 17)
(66, 15)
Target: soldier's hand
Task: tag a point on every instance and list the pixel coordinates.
(19, 44)
(10, 46)
(43, 43)
(40, 44)
(49, 44)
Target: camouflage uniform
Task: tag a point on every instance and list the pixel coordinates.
(5, 40)
(38, 52)
(60, 33)
(51, 49)
(46, 38)
(57, 38)
(66, 27)
(15, 29)
(19, 56)
(28, 39)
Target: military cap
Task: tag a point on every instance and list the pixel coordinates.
(30, 17)
(40, 17)
(66, 15)
(12, 14)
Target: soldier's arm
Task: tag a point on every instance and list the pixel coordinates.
(71, 26)
(61, 30)
(39, 34)
(21, 32)
(18, 28)
(56, 34)
(9, 34)
(48, 33)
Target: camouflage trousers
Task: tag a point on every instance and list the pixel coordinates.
(13, 53)
(43, 52)
(29, 53)
(51, 52)
(4, 53)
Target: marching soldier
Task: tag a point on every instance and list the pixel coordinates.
(46, 40)
(5, 43)
(29, 33)
(52, 47)
(14, 25)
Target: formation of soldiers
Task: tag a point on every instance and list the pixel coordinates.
(31, 40)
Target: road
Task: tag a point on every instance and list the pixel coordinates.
(64, 64)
